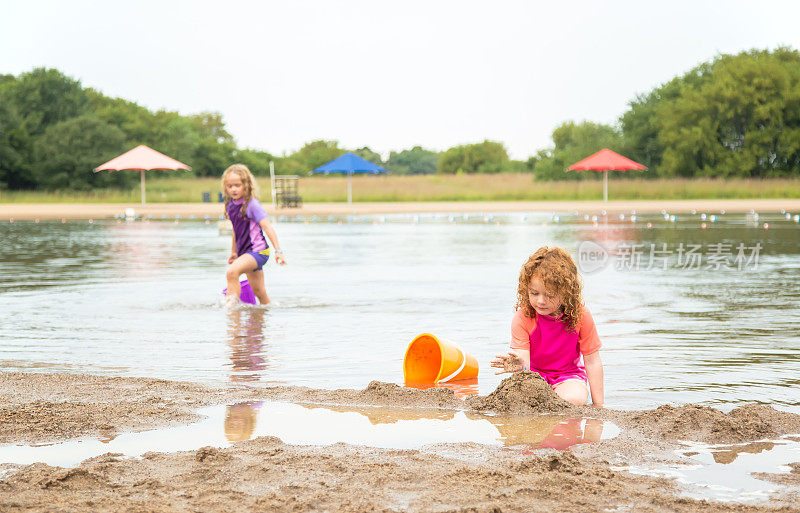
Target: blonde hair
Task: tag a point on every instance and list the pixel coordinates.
(248, 181)
(559, 274)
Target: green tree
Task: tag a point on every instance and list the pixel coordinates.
(257, 161)
(210, 125)
(738, 115)
(68, 151)
(367, 154)
(137, 122)
(14, 148)
(416, 161)
(573, 142)
(44, 97)
(485, 157)
(313, 155)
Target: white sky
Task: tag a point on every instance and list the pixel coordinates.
(386, 74)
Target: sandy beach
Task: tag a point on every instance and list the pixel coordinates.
(102, 211)
(266, 474)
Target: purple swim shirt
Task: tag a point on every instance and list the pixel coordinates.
(247, 231)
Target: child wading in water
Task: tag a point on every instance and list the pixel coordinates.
(553, 328)
(249, 251)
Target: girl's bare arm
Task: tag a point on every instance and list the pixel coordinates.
(594, 373)
(233, 256)
(273, 238)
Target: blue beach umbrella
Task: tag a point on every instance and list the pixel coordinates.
(349, 163)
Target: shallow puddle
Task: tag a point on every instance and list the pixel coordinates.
(725, 472)
(383, 427)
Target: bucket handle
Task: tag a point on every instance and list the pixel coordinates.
(460, 368)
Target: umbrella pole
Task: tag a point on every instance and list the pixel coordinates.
(272, 184)
(142, 186)
(349, 188)
(605, 186)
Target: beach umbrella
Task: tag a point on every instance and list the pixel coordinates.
(349, 164)
(606, 160)
(142, 158)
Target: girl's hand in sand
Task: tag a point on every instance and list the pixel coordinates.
(509, 363)
(232, 258)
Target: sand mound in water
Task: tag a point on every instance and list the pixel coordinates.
(705, 424)
(522, 392)
(378, 392)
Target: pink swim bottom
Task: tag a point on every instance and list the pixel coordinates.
(555, 378)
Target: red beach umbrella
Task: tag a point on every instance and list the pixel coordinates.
(142, 158)
(606, 160)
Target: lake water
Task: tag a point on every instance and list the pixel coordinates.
(142, 298)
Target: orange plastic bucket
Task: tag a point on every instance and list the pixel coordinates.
(430, 359)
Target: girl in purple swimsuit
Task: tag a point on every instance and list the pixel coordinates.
(249, 250)
(552, 329)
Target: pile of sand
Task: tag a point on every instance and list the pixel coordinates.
(705, 424)
(522, 392)
(392, 394)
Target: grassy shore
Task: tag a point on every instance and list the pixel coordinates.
(503, 187)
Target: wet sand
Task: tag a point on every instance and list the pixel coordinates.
(104, 211)
(265, 474)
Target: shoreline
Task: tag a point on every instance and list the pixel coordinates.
(50, 211)
(267, 474)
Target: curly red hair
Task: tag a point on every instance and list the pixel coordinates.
(557, 270)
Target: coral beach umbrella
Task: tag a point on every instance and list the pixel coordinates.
(142, 158)
(606, 160)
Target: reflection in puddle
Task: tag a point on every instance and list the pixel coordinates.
(724, 472)
(391, 428)
(246, 342)
(462, 388)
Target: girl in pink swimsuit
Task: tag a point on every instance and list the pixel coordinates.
(552, 329)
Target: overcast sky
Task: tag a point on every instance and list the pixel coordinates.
(386, 74)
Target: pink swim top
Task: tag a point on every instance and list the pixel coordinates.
(555, 351)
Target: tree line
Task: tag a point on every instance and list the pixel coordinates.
(734, 116)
